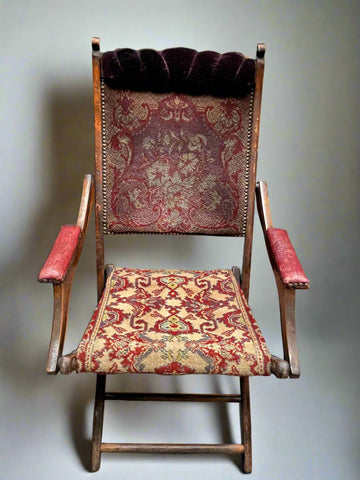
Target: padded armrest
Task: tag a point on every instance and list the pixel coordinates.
(285, 259)
(61, 256)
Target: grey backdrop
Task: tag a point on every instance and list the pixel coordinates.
(309, 154)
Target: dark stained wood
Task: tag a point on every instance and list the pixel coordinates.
(237, 274)
(263, 205)
(98, 167)
(86, 203)
(245, 421)
(173, 397)
(98, 421)
(60, 317)
(175, 448)
(279, 367)
(62, 291)
(245, 413)
(286, 295)
(67, 363)
(288, 328)
(95, 44)
(246, 265)
(108, 270)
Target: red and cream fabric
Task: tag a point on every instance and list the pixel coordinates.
(61, 256)
(173, 322)
(285, 259)
(175, 163)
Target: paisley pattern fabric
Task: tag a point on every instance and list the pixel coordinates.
(175, 163)
(173, 322)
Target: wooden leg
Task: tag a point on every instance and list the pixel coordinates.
(245, 419)
(98, 423)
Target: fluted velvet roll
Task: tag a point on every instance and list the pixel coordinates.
(179, 70)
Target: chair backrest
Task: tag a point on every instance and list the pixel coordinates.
(176, 141)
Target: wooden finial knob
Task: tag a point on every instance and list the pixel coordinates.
(95, 43)
(260, 51)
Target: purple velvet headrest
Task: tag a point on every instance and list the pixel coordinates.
(179, 70)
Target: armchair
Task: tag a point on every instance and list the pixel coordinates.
(176, 138)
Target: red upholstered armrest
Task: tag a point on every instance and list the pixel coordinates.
(61, 256)
(285, 259)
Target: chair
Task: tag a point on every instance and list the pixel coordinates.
(176, 139)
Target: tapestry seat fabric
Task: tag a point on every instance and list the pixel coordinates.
(173, 322)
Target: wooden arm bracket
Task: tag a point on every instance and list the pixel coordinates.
(62, 291)
(279, 367)
(67, 363)
(286, 297)
(288, 327)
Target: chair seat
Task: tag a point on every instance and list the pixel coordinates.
(173, 322)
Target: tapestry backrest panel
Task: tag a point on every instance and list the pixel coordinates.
(175, 162)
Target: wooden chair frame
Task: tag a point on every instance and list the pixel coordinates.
(282, 368)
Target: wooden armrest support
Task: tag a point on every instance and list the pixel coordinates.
(289, 276)
(60, 268)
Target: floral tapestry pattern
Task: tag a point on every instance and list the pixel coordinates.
(175, 163)
(173, 322)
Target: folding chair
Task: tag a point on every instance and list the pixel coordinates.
(176, 141)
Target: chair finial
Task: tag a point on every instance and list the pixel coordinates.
(95, 43)
(260, 51)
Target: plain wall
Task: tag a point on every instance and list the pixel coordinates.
(308, 153)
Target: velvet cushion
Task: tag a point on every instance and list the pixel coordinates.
(61, 255)
(179, 70)
(173, 322)
(285, 258)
